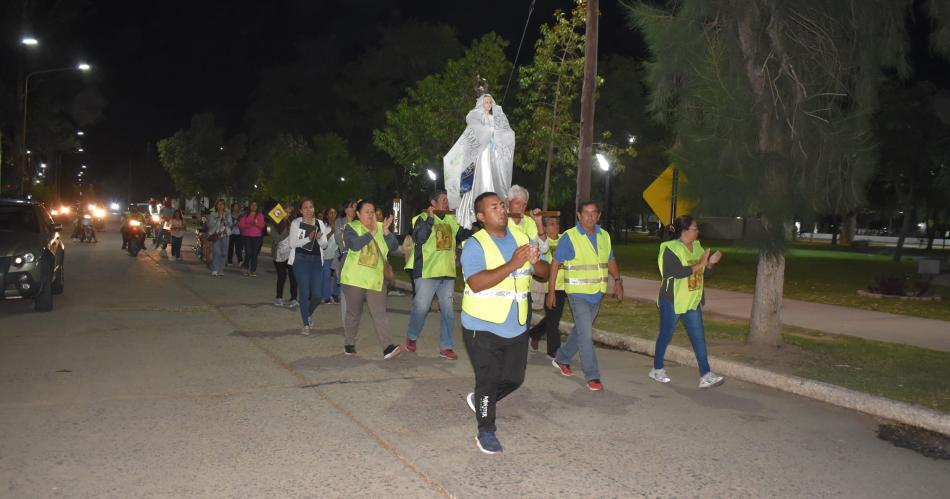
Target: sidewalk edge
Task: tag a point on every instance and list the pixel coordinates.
(871, 405)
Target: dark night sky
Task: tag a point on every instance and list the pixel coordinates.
(160, 62)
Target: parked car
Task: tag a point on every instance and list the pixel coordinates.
(32, 253)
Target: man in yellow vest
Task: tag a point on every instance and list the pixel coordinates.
(589, 266)
(527, 222)
(497, 264)
(549, 324)
(433, 272)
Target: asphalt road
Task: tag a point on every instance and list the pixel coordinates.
(152, 379)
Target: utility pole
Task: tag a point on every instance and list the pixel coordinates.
(587, 105)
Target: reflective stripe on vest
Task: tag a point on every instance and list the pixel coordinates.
(587, 271)
(365, 268)
(494, 304)
(688, 291)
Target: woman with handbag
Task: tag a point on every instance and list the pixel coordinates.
(308, 241)
(219, 227)
(368, 244)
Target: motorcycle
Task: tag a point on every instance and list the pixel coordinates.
(88, 234)
(136, 234)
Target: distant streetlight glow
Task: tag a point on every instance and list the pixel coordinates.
(83, 66)
(29, 41)
(80, 133)
(602, 162)
(29, 151)
(342, 179)
(83, 167)
(42, 165)
(80, 149)
(431, 174)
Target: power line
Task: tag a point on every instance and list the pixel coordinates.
(518, 53)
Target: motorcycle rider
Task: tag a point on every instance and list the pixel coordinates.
(166, 212)
(131, 214)
(86, 222)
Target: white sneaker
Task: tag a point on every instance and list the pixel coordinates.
(306, 330)
(470, 398)
(279, 302)
(710, 380)
(293, 304)
(659, 375)
(214, 273)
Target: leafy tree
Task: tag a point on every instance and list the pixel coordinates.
(771, 105)
(201, 160)
(425, 124)
(549, 89)
(914, 146)
(320, 168)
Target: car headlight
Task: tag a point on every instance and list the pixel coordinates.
(99, 212)
(20, 260)
(54, 212)
(64, 210)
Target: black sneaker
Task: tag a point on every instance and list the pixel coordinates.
(391, 351)
(336, 300)
(349, 350)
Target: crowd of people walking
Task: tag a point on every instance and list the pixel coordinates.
(340, 257)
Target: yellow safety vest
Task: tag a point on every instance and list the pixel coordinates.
(688, 291)
(527, 227)
(364, 268)
(587, 271)
(438, 252)
(494, 304)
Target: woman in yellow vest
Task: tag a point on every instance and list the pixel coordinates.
(683, 266)
(368, 243)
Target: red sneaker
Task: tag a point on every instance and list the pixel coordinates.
(535, 344)
(595, 385)
(564, 368)
(410, 345)
(447, 353)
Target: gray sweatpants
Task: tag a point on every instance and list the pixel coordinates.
(354, 298)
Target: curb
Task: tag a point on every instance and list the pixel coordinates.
(871, 405)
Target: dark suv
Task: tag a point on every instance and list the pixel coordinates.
(31, 253)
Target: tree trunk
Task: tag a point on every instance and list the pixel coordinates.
(587, 105)
(931, 230)
(547, 170)
(905, 229)
(848, 227)
(765, 325)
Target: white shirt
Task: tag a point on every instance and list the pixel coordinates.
(298, 238)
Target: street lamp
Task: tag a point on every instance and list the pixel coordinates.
(29, 41)
(80, 133)
(82, 66)
(434, 178)
(604, 165)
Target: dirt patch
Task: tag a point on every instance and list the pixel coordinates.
(927, 443)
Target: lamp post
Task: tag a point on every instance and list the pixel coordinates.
(26, 88)
(604, 165)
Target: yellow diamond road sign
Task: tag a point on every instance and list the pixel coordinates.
(659, 196)
(278, 213)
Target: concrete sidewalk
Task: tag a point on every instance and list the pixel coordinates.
(868, 324)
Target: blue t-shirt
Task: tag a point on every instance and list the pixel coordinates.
(473, 262)
(565, 251)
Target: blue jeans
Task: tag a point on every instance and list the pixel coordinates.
(330, 285)
(220, 250)
(693, 320)
(422, 302)
(581, 337)
(252, 248)
(307, 269)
